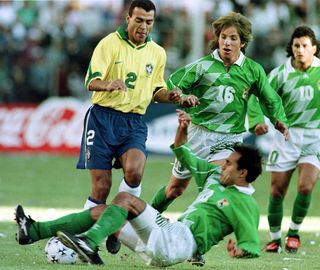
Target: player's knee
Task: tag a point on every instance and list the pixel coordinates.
(124, 199)
(304, 189)
(277, 192)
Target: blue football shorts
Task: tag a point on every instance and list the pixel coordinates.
(107, 135)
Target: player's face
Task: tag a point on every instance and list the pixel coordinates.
(303, 51)
(229, 45)
(140, 25)
(230, 172)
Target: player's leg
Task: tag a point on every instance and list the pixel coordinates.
(167, 194)
(133, 163)
(282, 161)
(30, 231)
(308, 175)
(97, 151)
(279, 186)
(123, 206)
(101, 182)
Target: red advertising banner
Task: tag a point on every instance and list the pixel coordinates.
(54, 126)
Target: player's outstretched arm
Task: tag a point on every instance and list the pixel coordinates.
(164, 96)
(175, 96)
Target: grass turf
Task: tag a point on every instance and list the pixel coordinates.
(53, 181)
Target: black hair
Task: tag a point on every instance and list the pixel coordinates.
(147, 5)
(250, 159)
(302, 31)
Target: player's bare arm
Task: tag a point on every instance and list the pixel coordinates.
(162, 95)
(99, 85)
(174, 96)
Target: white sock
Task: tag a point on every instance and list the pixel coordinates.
(275, 235)
(128, 236)
(90, 203)
(294, 226)
(136, 191)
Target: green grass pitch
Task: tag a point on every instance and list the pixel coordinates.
(53, 182)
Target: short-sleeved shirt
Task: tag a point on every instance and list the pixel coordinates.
(140, 67)
(223, 94)
(218, 211)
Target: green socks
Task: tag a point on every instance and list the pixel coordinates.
(160, 201)
(275, 213)
(108, 223)
(73, 223)
(300, 210)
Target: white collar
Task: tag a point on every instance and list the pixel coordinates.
(249, 190)
(239, 61)
(290, 68)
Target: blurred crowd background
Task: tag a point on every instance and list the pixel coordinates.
(46, 46)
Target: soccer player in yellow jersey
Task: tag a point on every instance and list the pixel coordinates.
(125, 74)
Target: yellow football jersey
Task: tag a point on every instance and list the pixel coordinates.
(140, 67)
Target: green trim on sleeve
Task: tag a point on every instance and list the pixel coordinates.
(92, 76)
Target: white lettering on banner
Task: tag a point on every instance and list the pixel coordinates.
(11, 124)
(54, 125)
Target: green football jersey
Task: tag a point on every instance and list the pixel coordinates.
(300, 94)
(223, 94)
(218, 211)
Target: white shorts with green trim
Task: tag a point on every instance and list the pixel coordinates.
(208, 145)
(303, 146)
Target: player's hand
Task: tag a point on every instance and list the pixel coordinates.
(117, 85)
(174, 96)
(232, 249)
(261, 129)
(184, 121)
(189, 101)
(283, 129)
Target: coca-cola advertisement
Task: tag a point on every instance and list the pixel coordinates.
(54, 126)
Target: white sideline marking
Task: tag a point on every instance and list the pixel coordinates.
(310, 224)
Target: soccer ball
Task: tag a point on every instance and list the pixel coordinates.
(57, 252)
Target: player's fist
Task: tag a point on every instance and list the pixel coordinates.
(261, 129)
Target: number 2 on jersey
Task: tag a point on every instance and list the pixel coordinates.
(131, 78)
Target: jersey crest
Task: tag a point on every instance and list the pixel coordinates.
(149, 69)
(222, 203)
(245, 93)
